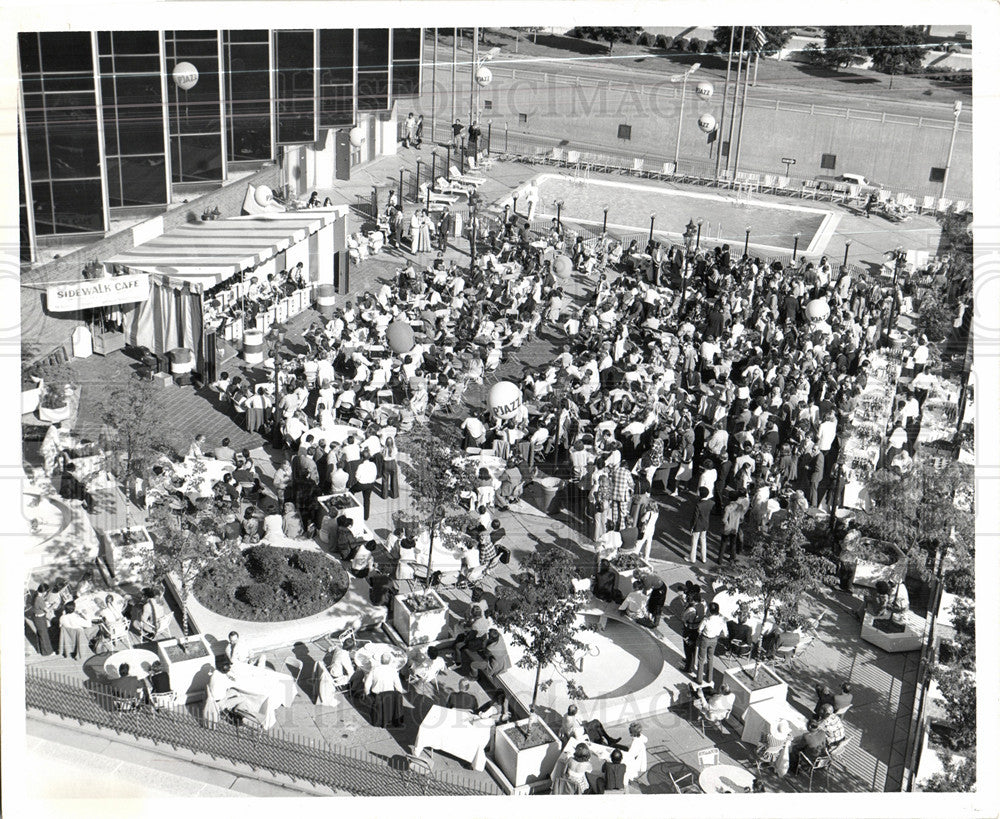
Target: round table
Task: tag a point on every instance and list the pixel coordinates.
(725, 779)
(139, 661)
(88, 605)
(372, 653)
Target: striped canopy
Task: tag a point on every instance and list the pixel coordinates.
(207, 253)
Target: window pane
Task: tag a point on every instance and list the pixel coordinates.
(144, 181)
(196, 158)
(194, 110)
(66, 51)
(294, 97)
(73, 148)
(78, 206)
(336, 78)
(136, 42)
(406, 62)
(27, 47)
(114, 182)
(248, 106)
(373, 69)
(41, 197)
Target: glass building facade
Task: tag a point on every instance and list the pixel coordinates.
(108, 122)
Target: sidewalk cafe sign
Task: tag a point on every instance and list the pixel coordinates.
(111, 290)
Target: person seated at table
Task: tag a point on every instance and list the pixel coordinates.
(832, 726)
(578, 767)
(812, 742)
(773, 748)
(635, 604)
(824, 696)
(496, 709)
(224, 452)
(362, 559)
(113, 622)
(425, 666)
(779, 638)
(340, 666)
(463, 699)
(511, 485)
(197, 449)
(126, 687)
(75, 631)
(571, 727)
(739, 629)
(613, 774)
(237, 652)
(844, 699)
(154, 614)
(226, 489)
(718, 704)
(221, 697)
(489, 655)
(251, 525)
(383, 682)
(158, 681)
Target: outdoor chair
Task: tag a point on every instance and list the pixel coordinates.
(812, 763)
(708, 757)
(738, 649)
(841, 711)
(455, 175)
(718, 721)
(418, 769)
(157, 702)
(295, 666)
(684, 783)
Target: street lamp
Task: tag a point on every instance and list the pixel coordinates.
(682, 79)
(957, 110)
(515, 203)
(847, 249)
(559, 204)
(697, 241)
(795, 248)
(506, 214)
(652, 221)
(604, 227)
(746, 243)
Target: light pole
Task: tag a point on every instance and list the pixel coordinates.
(682, 79)
(604, 227)
(746, 243)
(515, 203)
(847, 249)
(559, 204)
(795, 248)
(652, 221)
(697, 241)
(951, 148)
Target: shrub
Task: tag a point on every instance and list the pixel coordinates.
(257, 595)
(696, 45)
(301, 586)
(312, 563)
(631, 34)
(664, 41)
(681, 44)
(646, 39)
(265, 564)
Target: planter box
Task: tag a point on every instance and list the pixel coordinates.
(107, 343)
(420, 627)
(343, 503)
(55, 415)
(869, 572)
(526, 765)
(626, 576)
(123, 560)
(767, 686)
(188, 669)
(30, 399)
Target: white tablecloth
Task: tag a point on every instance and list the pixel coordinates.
(139, 661)
(200, 485)
(763, 716)
(274, 689)
(88, 605)
(371, 655)
(337, 433)
(456, 732)
(725, 779)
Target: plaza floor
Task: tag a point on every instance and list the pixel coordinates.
(883, 683)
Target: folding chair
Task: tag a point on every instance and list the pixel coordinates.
(295, 665)
(738, 649)
(419, 769)
(684, 783)
(157, 702)
(708, 757)
(811, 764)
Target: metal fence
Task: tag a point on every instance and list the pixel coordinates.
(343, 769)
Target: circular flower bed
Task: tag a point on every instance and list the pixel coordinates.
(272, 584)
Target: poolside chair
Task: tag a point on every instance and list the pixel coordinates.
(455, 175)
(572, 157)
(928, 204)
(448, 191)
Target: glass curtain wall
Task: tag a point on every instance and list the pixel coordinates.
(336, 78)
(132, 107)
(62, 132)
(406, 62)
(247, 61)
(295, 93)
(194, 112)
(373, 69)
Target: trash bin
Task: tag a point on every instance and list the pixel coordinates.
(83, 342)
(253, 347)
(326, 299)
(550, 488)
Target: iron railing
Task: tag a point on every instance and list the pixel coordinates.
(349, 770)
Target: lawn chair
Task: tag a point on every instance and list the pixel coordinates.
(455, 175)
(446, 190)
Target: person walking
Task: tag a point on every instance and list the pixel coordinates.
(390, 469)
(691, 620)
(701, 512)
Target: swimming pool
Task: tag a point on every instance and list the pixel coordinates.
(773, 225)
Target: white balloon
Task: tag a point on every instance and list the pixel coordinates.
(706, 122)
(705, 90)
(505, 399)
(484, 76)
(263, 196)
(357, 136)
(818, 309)
(185, 76)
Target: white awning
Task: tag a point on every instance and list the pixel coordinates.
(207, 253)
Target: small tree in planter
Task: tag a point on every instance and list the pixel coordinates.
(539, 613)
(133, 416)
(183, 547)
(435, 480)
(778, 569)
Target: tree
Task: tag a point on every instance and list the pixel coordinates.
(958, 688)
(958, 776)
(436, 477)
(778, 569)
(896, 49)
(133, 416)
(843, 46)
(183, 547)
(776, 38)
(926, 512)
(539, 613)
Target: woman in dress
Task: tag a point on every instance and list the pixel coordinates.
(390, 469)
(415, 232)
(578, 767)
(424, 243)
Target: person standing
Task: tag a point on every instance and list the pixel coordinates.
(474, 134)
(456, 133)
(732, 523)
(691, 620)
(41, 617)
(424, 244)
(445, 227)
(383, 682)
(657, 598)
(409, 128)
(418, 131)
(364, 481)
(701, 512)
(622, 489)
(390, 469)
(711, 629)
